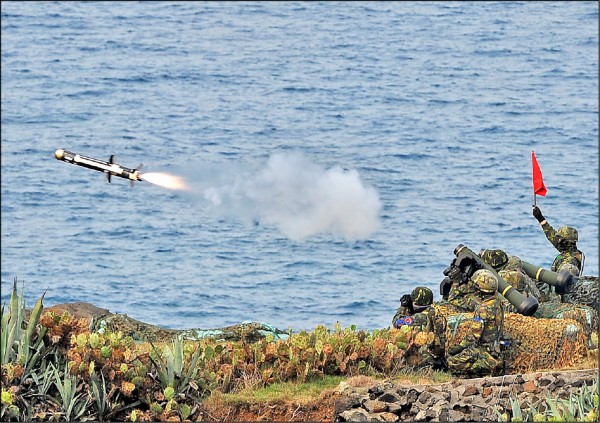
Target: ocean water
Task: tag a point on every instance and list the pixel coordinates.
(335, 153)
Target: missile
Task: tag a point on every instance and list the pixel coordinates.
(110, 167)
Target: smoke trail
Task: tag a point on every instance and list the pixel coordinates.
(296, 196)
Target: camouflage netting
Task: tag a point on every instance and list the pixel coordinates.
(543, 343)
(535, 343)
(586, 316)
(140, 331)
(100, 319)
(584, 292)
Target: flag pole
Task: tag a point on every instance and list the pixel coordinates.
(534, 199)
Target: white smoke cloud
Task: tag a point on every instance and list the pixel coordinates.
(295, 195)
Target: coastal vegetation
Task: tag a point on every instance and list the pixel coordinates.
(54, 368)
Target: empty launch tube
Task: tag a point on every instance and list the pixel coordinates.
(526, 306)
(562, 281)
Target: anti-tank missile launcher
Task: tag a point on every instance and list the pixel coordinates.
(467, 262)
(562, 281)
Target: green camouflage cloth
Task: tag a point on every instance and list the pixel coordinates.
(585, 292)
(479, 354)
(547, 293)
(566, 255)
(465, 297)
(586, 316)
(432, 352)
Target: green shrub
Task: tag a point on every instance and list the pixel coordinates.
(578, 407)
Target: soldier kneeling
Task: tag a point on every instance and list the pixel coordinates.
(427, 327)
(478, 352)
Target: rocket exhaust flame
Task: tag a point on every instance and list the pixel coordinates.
(164, 180)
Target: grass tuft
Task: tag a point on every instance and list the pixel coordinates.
(300, 393)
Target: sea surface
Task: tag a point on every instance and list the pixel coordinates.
(334, 153)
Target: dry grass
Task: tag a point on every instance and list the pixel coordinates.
(424, 376)
(360, 381)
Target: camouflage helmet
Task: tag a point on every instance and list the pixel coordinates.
(421, 296)
(568, 233)
(495, 258)
(570, 267)
(485, 281)
(513, 263)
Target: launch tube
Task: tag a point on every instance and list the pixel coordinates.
(526, 306)
(562, 281)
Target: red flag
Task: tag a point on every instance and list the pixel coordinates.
(538, 182)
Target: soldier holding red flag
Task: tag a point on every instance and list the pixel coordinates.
(565, 239)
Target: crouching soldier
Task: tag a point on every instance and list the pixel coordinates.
(478, 352)
(428, 329)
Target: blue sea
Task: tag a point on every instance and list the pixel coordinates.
(334, 153)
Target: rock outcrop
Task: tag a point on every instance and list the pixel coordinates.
(478, 399)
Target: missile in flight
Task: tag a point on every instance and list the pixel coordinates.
(110, 167)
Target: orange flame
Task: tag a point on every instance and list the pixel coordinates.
(165, 180)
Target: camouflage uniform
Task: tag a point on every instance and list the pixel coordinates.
(428, 350)
(567, 254)
(547, 293)
(401, 312)
(565, 241)
(464, 297)
(420, 296)
(478, 354)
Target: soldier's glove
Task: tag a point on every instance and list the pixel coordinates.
(537, 213)
(455, 349)
(406, 300)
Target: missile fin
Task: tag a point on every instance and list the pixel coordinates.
(111, 160)
(137, 169)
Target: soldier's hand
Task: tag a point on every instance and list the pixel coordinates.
(537, 213)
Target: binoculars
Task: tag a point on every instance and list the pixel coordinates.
(406, 301)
